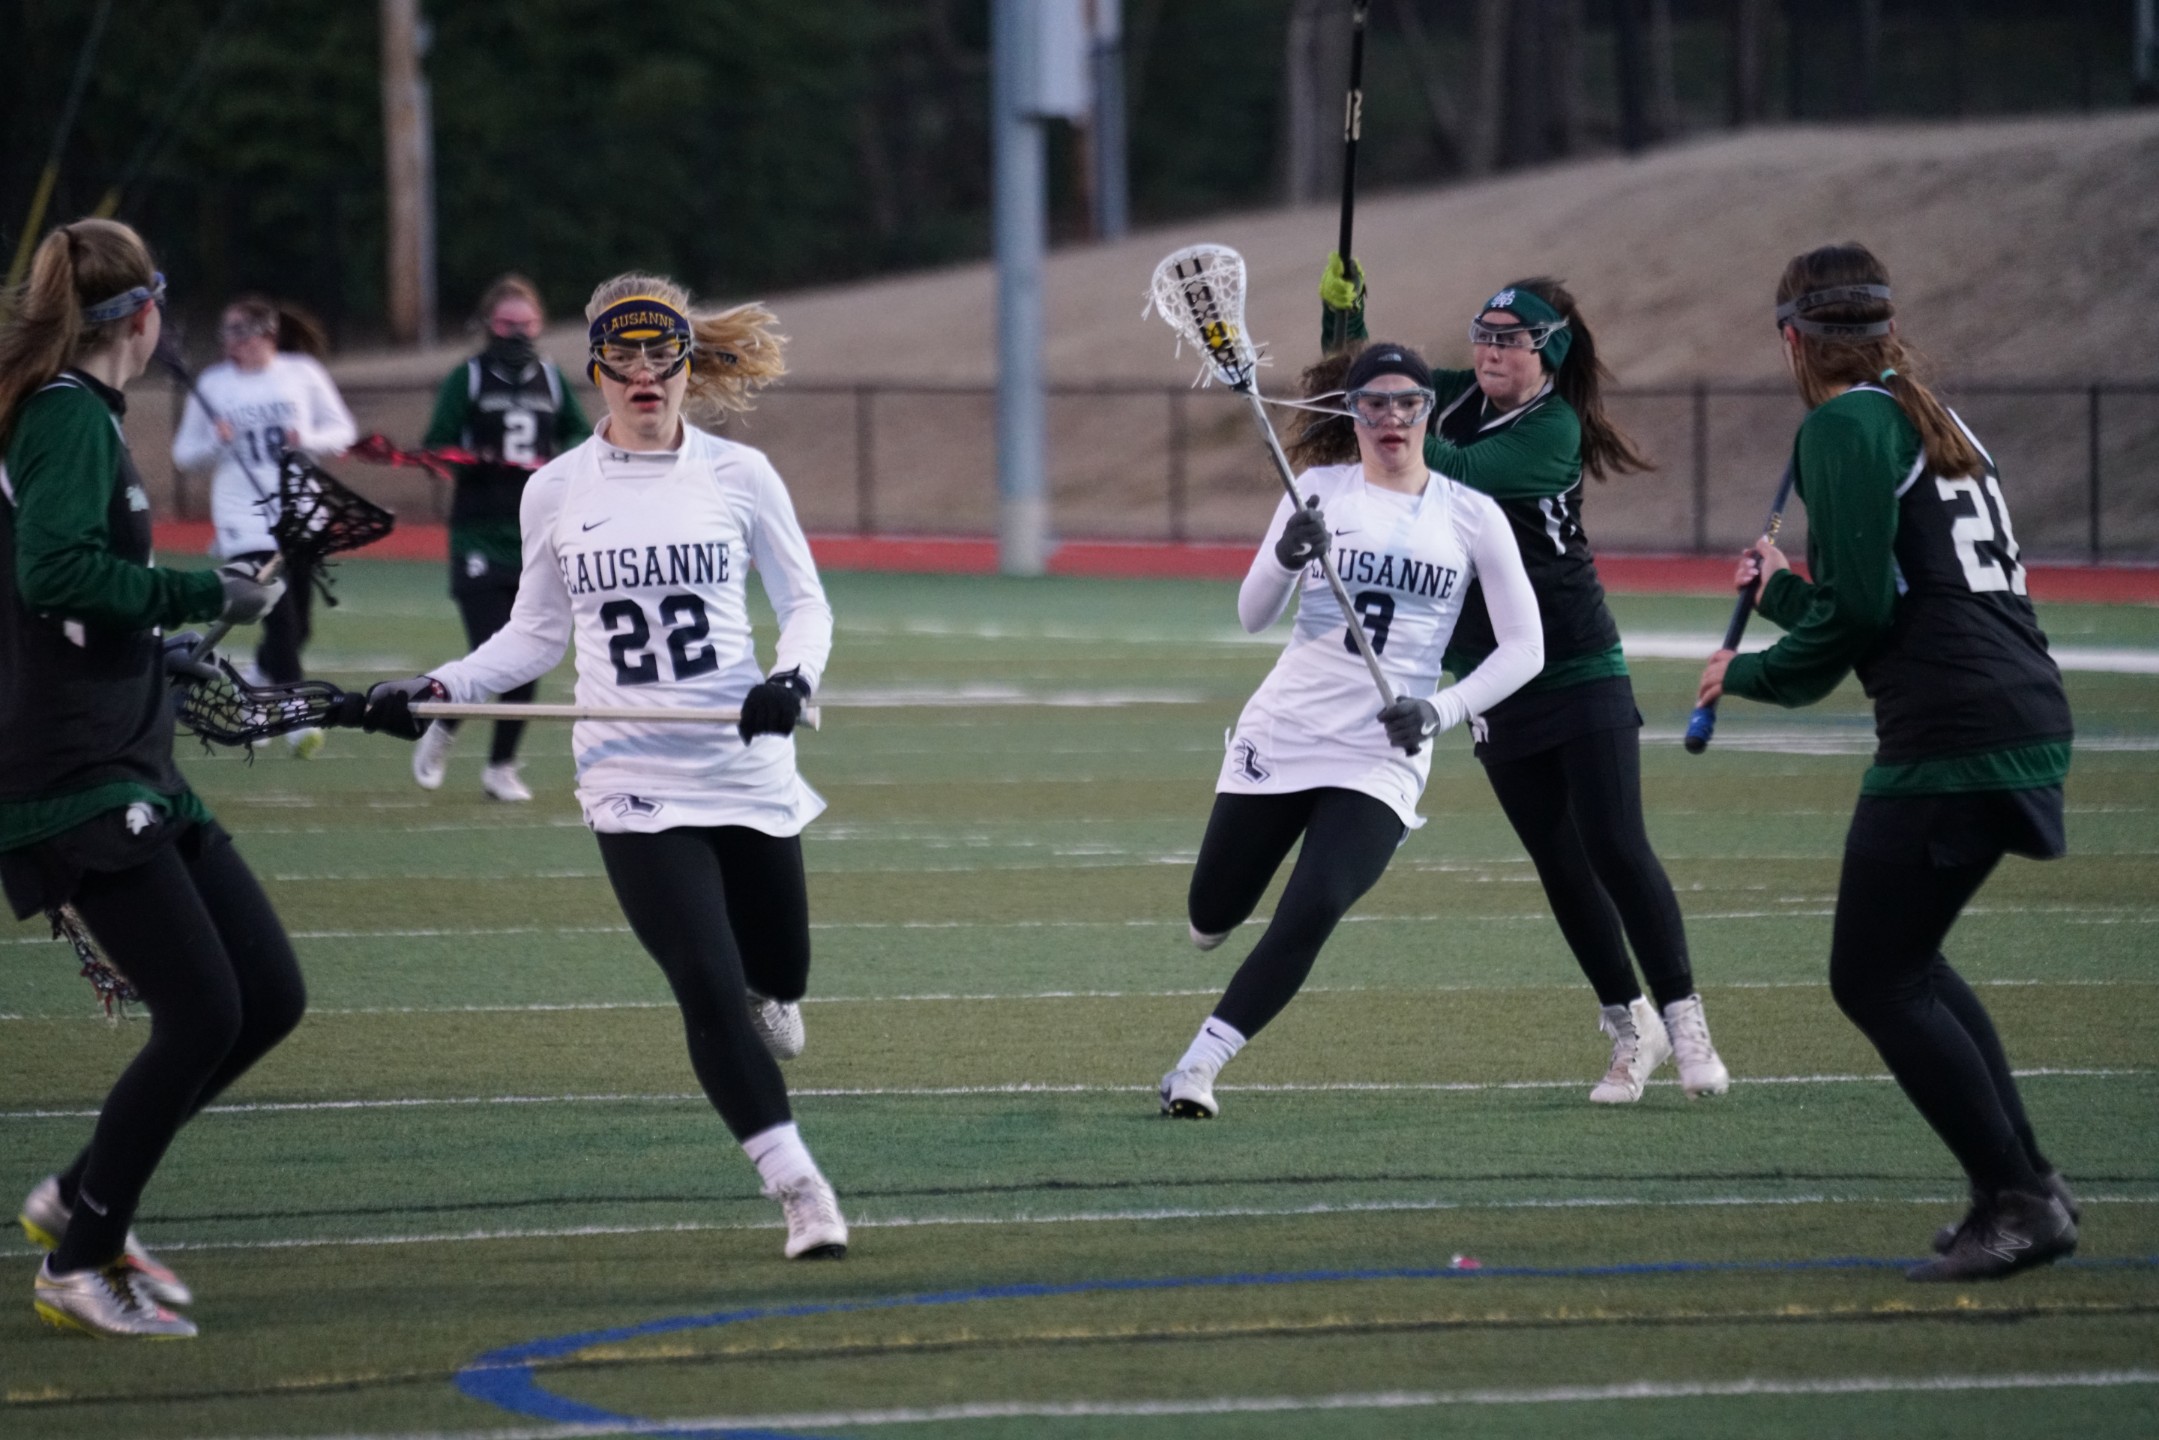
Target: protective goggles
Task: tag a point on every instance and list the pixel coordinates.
(643, 333)
(246, 329)
(1376, 407)
(1789, 313)
(123, 305)
(1514, 337)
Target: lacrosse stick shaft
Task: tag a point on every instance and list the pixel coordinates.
(641, 714)
(222, 628)
(1352, 127)
(1326, 560)
(1702, 724)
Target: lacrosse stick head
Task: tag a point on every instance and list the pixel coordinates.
(317, 515)
(225, 709)
(1199, 290)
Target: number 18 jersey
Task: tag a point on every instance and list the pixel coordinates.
(642, 561)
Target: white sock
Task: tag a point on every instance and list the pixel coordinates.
(780, 1156)
(1216, 1044)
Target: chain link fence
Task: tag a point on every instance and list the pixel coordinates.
(1146, 462)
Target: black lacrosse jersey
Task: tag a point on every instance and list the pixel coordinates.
(509, 418)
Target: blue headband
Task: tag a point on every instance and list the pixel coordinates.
(119, 307)
(636, 319)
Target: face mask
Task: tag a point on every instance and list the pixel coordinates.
(511, 353)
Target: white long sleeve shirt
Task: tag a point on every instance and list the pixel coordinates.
(289, 404)
(641, 561)
(1406, 561)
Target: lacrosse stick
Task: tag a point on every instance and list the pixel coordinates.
(114, 990)
(225, 709)
(377, 450)
(317, 516)
(1199, 290)
(1702, 724)
(1352, 131)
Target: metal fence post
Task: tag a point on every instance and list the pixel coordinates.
(2093, 475)
(1176, 447)
(1701, 467)
(865, 462)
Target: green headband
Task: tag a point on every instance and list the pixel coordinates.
(1534, 310)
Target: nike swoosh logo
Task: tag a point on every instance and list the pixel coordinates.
(598, 523)
(1345, 532)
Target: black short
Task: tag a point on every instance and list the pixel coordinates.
(1529, 722)
(44, 876)
(1971, 828)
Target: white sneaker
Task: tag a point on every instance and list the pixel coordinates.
(44, 1219)
(779, 1024)
(1701, 1070)
(306, 744)
(431, 757)
(1189, 1095)
(104, 1302)
(1639, 1046)
(1202, 940)
(502, 782)
(815, 1230)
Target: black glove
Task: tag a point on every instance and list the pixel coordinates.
(1304, 538)
(773, 707)
(1409, 722)
(247, 599)
(389, 706)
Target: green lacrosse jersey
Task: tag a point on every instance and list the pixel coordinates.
(1917, 587)
(1529, 459)
(85, 725)
(515, 418)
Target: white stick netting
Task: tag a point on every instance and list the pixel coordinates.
(1199, 290)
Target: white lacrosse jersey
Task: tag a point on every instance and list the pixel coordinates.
(641, 560)
(289, 404)
(1406, 561)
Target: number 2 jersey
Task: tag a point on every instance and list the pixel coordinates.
(1407, 562)
(642, 561)
(289, 404)
(1917, 586)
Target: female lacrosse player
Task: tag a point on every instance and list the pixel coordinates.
(1315, 754)
(513, 409)
(1563, 753)
(270, 394)
(637, 547)
(92, 812)
(1916, 585)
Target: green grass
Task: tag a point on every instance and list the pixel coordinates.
(1001, 974)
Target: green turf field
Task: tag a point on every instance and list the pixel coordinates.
(486, 1133)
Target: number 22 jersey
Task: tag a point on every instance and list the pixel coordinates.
(641, 559)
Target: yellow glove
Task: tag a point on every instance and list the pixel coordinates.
(1337, 291)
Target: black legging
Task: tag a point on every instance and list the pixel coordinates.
(1348, 840)
(724, 910)
(286, 628)
(193, 931)
(1578, 810)
(1889, 976)
(486, 611)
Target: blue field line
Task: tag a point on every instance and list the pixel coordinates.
(505, 1377)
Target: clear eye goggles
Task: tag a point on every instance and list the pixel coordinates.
(662, 357)
(1513, 337)
(1376, 407)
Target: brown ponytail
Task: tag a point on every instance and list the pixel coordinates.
(1827, 366)
(75, 266)
(1323, 439)
(293, 329)
(1607, 450)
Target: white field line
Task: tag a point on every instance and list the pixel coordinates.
(859, 1220)
(1030, 1087)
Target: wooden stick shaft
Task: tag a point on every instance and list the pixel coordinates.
(1326, 559)
(640, 714)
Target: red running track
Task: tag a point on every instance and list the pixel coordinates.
(1132, 559)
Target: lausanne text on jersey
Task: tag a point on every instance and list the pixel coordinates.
(1396, 572)
(587, 572)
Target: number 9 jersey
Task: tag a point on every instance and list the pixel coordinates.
(641, 559)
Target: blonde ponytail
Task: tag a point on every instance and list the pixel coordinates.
(75, 266)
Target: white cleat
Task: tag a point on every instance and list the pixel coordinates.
(104, 1303)
(779, 1024)
(44, 1220)
(431, 757)
(1189, 1095)
(502, 782)
(1639, 1046)
(815, 1229)
(1201, 940)
(1701, 1069)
